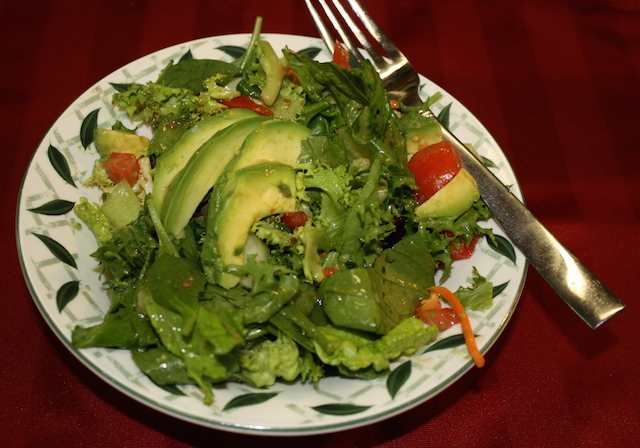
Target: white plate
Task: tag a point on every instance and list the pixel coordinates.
(294, 409)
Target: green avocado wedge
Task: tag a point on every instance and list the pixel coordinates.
(176, 158)
(201, 173)
(276, 141)
(453, 199)
(248, 195)
(109, 141)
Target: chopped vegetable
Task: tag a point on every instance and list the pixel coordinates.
(467, 331)
(122, 166)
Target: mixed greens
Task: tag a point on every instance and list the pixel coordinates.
(268, 230)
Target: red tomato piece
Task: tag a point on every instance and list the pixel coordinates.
(430, 312)
(120, 166)
(460, 250)
(294, 219)
(341, 55)
(433, 167)
(328, 271)
(244, 102)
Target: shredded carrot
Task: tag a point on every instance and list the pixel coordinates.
(467, 332)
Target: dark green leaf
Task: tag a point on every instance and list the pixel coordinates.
(232, 50)
(498, 289)
(187, 55)
(398, 377)
(55, 207)
(67, 293)
(172, 389)
(450, 342)
(443, 116)
(57, 250)
(249, 400)
(311, 51)
(190, 73)
(60, 164)
(503, 246)
(121, 87)
(340, 409)
(489, 163)
(89, 124)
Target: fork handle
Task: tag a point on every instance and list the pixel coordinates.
(591, 299)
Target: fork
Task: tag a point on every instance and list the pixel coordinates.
(585, 294)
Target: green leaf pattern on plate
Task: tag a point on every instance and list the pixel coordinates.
(60, 164)
(503, 246)
(398, 378)
(57, 250)
(340, 409)
(249, 400)
(89, 124)
(67, 293)
(53, 208)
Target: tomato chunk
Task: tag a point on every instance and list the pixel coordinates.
(294, 219)
(433, 167)
(244, 102)
(328, 271)
(460, 250)
(341, 55)
(430, 312)
(120, 166)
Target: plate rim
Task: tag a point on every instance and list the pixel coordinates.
(233, 427)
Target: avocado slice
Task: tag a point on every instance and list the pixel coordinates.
(453, 199)
(246, 196)
(274, 141)
(176, 158)
(109, 141)
(427, 134)
(200, 174)
(274, 72)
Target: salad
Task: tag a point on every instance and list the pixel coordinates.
(286, 221)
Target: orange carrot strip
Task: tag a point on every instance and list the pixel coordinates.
(467, 332)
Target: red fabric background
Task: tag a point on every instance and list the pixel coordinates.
(558, 84)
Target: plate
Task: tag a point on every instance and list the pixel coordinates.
(54, 250)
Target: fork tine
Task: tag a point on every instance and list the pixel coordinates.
(387, 44)
(355, 29)
(329, 41)
(326, 36)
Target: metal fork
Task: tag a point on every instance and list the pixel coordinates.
(591, 299)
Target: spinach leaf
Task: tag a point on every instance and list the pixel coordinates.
(378, 298)
(190, 73)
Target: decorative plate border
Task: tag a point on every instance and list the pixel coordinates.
(54, 250)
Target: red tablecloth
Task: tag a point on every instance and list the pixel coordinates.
(557, 82)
